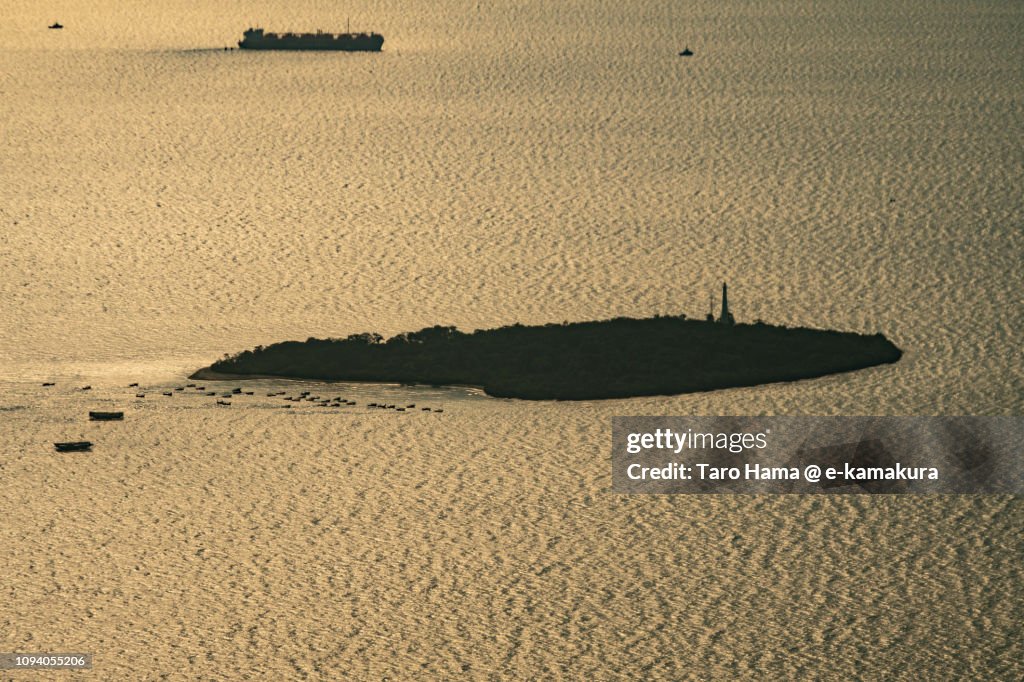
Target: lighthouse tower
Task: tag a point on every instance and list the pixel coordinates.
(726, 316)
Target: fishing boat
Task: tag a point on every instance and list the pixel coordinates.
(97, 416)
(73, 446)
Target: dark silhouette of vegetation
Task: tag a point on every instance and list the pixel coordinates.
(616, 358)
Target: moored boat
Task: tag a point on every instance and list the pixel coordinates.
(73, 446)
(98, 416)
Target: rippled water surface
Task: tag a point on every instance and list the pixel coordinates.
(163, 201)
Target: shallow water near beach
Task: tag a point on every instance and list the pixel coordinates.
(163, 201)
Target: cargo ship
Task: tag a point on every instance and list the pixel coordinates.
(258, 39)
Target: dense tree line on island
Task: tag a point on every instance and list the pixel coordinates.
(615, 358)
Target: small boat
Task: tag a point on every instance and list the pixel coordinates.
(56, 25)
(105, 416)
(73, 446)
(687, 52)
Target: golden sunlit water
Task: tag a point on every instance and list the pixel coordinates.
(855, 166)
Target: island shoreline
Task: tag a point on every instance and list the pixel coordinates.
(207, 374)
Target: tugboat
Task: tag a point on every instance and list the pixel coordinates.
(257, 39)
(73, 446)
(56, 25)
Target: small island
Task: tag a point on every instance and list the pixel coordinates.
(617, 358)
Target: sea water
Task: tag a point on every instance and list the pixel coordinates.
(164, 201)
